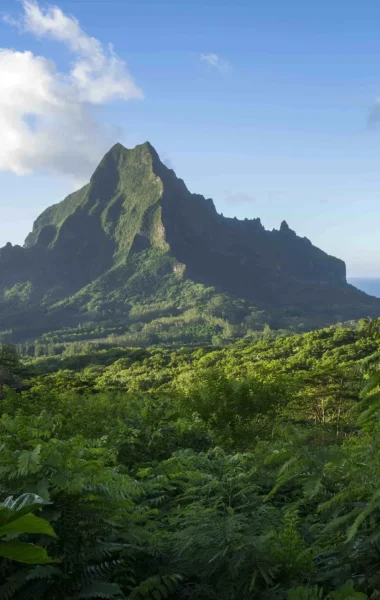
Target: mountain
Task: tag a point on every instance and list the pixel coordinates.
(134, 253)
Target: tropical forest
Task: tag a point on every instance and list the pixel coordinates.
(236, 472)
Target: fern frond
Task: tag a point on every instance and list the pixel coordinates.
(100, 589)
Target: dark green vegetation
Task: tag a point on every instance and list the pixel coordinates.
(246, 472)
(134, 254)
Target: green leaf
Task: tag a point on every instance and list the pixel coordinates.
(22, 501)
(347, 592)
(28, 524)
(59, 481)
(29, 462)
(28, 554)
(43, 490)
(11, 510)
(312, 486)
(305, 593)
(352, 531)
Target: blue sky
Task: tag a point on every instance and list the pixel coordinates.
(279, 131)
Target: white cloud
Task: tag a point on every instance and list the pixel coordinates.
(214, 61)
(47, 118)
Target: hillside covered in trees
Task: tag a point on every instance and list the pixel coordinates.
(244, 472)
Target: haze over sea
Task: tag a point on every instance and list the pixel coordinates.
(369, 285)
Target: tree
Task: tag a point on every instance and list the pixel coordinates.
(237, 412)
(11, 368)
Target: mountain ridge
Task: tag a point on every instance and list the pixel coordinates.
(135, 234)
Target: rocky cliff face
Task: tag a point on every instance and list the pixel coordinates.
(135, 213)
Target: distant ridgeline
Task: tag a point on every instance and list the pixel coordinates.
(133, 253)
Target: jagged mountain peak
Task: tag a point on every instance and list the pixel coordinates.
(118, 151)
(116, 181)
(135, 226)
(134, 201)
(118, 157)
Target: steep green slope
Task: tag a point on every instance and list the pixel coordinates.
(134, 242)
(54, 215)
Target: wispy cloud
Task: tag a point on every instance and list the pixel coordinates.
(216, 62)
(47, 117)
(238, 198)
(167, 161)
(374, 114)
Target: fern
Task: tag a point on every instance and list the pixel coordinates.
(156, 587)
(14, 583)
(100, 589)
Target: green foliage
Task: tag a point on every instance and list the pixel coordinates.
(240, 472)
(16, 518)
(11, 369)
(237, 412)
(345, 592)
